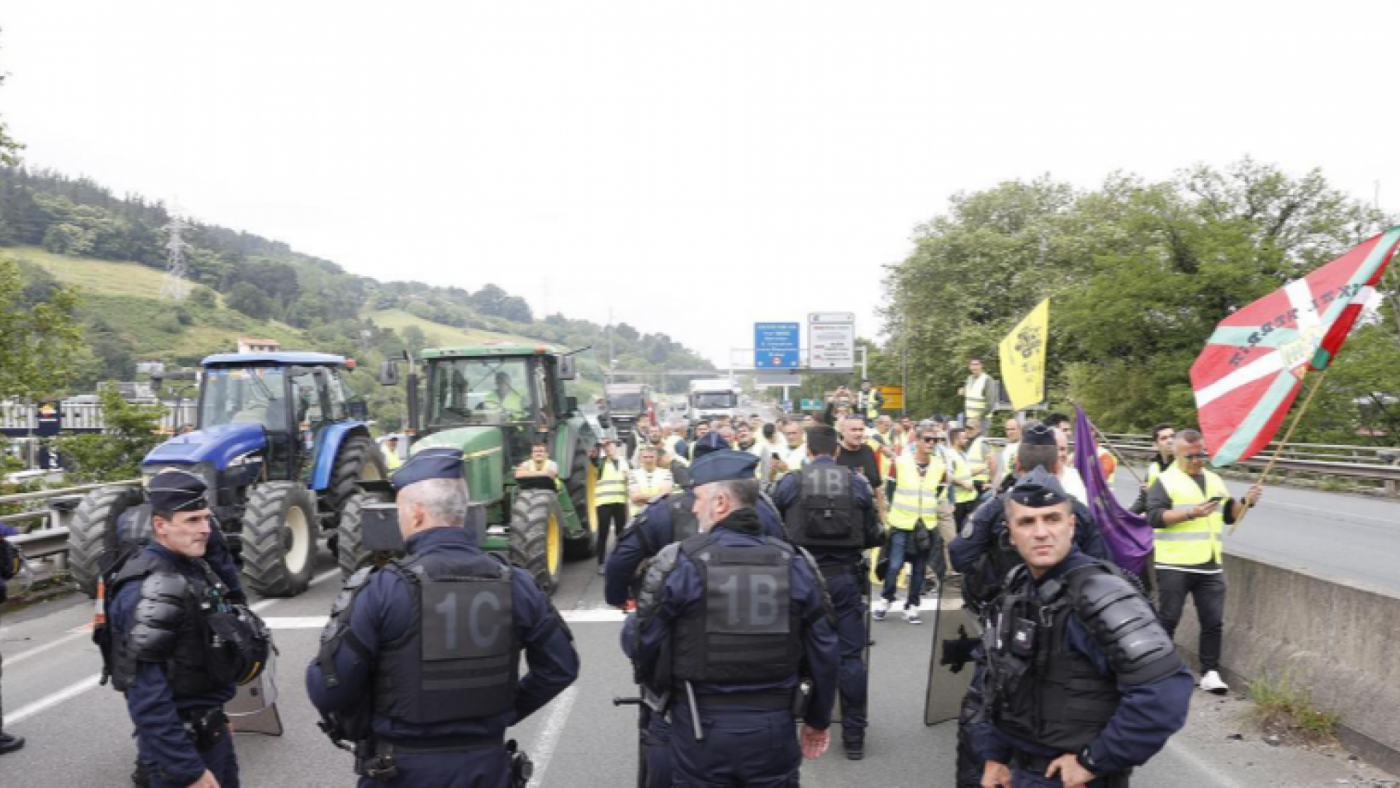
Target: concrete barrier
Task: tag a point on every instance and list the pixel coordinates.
(1339, 641)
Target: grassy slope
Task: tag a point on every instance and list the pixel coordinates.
(127, 297)
(438, 334)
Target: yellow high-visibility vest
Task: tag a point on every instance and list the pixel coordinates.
(961, 471)
(612, 482)
(978, 455)
(916, 495)
(1194, 541)
(975, 396)
(1154, 470)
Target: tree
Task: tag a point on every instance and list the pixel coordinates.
(9, 147)
(250, 301)
(203, 298)
(117, 452)
(39, 340)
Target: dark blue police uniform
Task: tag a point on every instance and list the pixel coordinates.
(428, 649)
(666, 520)
(178, 647)
(845, 579)
(1061, 679)
(8, 742)
(730, 617)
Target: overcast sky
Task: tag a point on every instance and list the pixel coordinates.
(694, 167)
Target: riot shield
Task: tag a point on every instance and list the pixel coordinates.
(254, 708)
(951, 623)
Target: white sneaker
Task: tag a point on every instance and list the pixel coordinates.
(1211, 682)
(882, 606)
(911, 615)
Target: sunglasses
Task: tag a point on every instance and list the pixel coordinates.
(931, 439)
(1200, 455)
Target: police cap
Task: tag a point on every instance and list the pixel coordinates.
(437, 462)
(712, 442)
(1038, 435)
(173, 490)
(722, 466)
(1039, 489)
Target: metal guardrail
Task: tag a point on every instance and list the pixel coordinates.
(1374, 463)
(45, 538)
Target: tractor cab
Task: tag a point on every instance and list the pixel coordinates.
(292, 397)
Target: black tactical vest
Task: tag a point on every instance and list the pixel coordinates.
(459, 659)
(825, 513)
(684, 523)
(1054, 696)
(744, 630)
(187, 668)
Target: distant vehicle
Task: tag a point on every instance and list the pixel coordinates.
(628, 405)
(712, 398)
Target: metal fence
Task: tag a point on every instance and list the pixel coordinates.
(85, 416)
(1368, 466)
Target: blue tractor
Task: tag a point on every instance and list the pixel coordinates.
(282, 443)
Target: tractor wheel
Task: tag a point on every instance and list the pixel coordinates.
(359, 460)
(581, 483)
(279, 538)
(537, 537)
(350, 552)
(93, 531)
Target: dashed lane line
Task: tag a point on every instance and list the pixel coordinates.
(91, 682)
(553, 728)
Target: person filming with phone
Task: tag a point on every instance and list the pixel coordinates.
(1188, 506)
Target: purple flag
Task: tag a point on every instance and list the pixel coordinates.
(1128, 535)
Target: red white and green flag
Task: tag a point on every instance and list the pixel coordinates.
(1253, 365)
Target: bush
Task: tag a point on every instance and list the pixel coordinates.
(116, 454)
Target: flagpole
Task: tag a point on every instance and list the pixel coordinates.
(1103, 441)
(1297, 417)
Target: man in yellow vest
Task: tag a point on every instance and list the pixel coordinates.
(868, 403)
(981, 457)
(1188, 506)
(1006, 464)
(392, 460)
(1163, 436)
(960, 473)
(611, 494)
(920, 482)
(974, 392)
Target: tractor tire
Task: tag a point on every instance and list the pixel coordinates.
(536, 536)
(359, 460)
(577, 485)
(93, 531)
(350, 552)
(279, 538)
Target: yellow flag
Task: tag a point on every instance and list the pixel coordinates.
(1023, 357)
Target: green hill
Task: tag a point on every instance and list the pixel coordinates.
(72, 231)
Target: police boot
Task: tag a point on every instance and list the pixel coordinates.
(10, 743)
(854, 746)
(140, 777)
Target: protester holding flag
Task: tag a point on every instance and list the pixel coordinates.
(1188, 506)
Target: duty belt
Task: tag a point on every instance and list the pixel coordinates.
(836, 570)
(437, 744)
(774, 700)
(1031, 763)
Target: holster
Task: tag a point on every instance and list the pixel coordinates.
(376, 766)
(521, 767)
(207, 728)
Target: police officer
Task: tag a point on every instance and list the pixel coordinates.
(667, 520)
(10, 558)
(134, 533)
(830, 510)
(419, 665)
(984, 554)
(725, 624)
(1083, 684)
(179, 645)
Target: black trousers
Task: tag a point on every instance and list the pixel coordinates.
(610, 516)
(1208, 591)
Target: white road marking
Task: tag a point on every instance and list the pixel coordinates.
(83, 685)
(37, 650)
(593, 616)
(296, 622)
(49, 701)
(1183, 752)
(550, 732)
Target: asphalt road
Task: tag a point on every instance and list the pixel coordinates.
(79, 734)
(1351, 538)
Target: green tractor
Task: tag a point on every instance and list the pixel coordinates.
(493, 402)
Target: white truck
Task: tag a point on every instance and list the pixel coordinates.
(712, 398)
